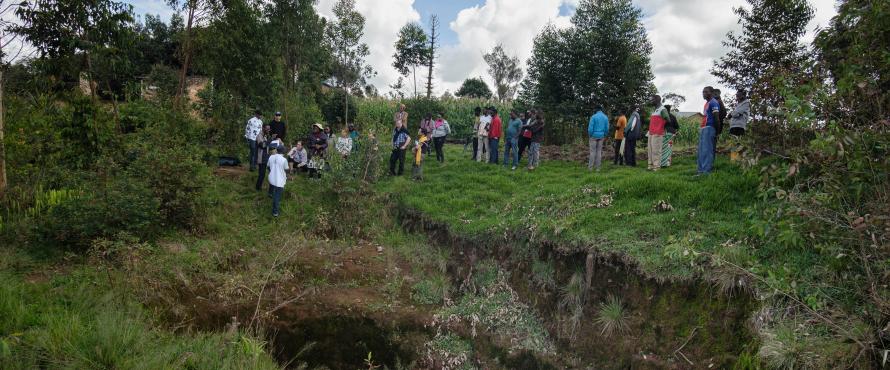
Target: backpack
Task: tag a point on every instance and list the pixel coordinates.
(673, 124)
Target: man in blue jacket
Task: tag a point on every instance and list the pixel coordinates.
(597, 129)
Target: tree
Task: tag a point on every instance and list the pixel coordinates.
(344, 38)
(474, 88)
(196, 11)
(431, 54)
(7, 39)
(411, 51)
(505, 72)
(674, 99)
(767, 47)
(396, 89)
(61, 29)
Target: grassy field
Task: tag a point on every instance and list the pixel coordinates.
(648, 216)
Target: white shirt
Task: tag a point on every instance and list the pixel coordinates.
(277, 166)
(253, 127)
(484, 125)
(344, 145)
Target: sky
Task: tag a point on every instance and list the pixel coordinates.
(686, 35)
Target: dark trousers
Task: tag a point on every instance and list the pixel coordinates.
(251, 156)
(398, 155)
(736, 131)
(276, 192)
(475, 146)
(523, 145)
(619, 160)
(260, 176)
(493, 150)
(439, 143)
(630, 152)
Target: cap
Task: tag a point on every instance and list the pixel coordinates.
(278, 113)
(320, 127)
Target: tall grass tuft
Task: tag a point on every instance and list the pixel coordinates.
(611, 317)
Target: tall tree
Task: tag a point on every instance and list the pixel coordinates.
(61, 29)
(474, 88)
(411, 51)
(196, 12)
(344, 38)
(7, 42)
(505, 72)
(431, 57)
(768, 47)
(675, 99)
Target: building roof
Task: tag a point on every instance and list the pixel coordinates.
(687, 114)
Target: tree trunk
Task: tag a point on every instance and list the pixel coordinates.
(186, 52)
(345, 108)
(414, 73)
(3, 183)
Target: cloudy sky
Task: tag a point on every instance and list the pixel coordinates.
(686, 34)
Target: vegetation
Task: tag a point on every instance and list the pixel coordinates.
(505, 72)
(474, 88)
(611, 317)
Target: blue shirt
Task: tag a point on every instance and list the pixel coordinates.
(513, 128)
(598, 126)
(712, 113)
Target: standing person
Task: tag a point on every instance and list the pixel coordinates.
(253, 127)
(262, 155)
(494, 136)
(597, 128)
(632, 133)
(400, 140)
(525, 136)
(344, 144)
(671, 127)
(329, 134)
(318, 145)
(708, 132)
(657, 121)
(427, 124)
(619, 139)
(482, 135)
(537, 132)
(401, 116)
(738, 119)
(477, 119)
(297, 155)
(722, 116)
(421, 142)
(511, 140)
(441, 130)
(278, 127)
(277, 178)
(354, 135)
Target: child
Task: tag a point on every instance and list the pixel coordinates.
(297, 156)
(277, 178)
(421, 146)
(344, 144)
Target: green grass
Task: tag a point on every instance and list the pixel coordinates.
(611, 317)
(611, 211)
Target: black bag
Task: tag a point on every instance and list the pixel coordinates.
(229, 162)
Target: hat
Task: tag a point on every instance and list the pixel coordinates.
(320, 127)
(278, 114)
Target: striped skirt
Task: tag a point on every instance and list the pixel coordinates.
(667, 149)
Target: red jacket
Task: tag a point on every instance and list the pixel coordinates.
(495, 131)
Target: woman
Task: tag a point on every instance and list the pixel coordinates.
(298, 157)
(263, 138)
(632, 133)
(537, 132)
(344, 144)
(619, 139)
(477, 113)
(525, 136)
(329, 133)
(427, 124)
(441, 130)
(318, 145)
(670, 130)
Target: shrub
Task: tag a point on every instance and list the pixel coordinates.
(612, 317)
(432, 290)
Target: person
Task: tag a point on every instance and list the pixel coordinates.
(494, 136)
(620, 124)
(419, 152)
(738, 119)
(477, 112)
(441, 130)
(329, 134)
(278, 127)
(277, 178)
(251, 130)
(318, 145)
(671, 127)
(401, 116)
(708, 132)
(657, 121)
(482, 135)
(722, 116)
(427, 123)
(632, 133)
(597, 128)
(511, 140)
(525, 136)
(297, 156)
(400, 140)
(344, 144)
(537, 132)
(354, 135)
(262, 155)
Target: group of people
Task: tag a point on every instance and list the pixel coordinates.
(663, 127)
(430, 130)
(524, 130)
(271, 158)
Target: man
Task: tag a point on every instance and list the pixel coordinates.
(597, 128)
(263, 139)
(253, 127)
(400, 141)
(708, 132)
(722, 116)
(494, 136)
(632, 133)
(279, 129)
(511, 140)
(401, 116)
(738, 119)
(657, 121)
(277, 178)
(482, 135)
(525, 137)
(619, 139)
(477, 112)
